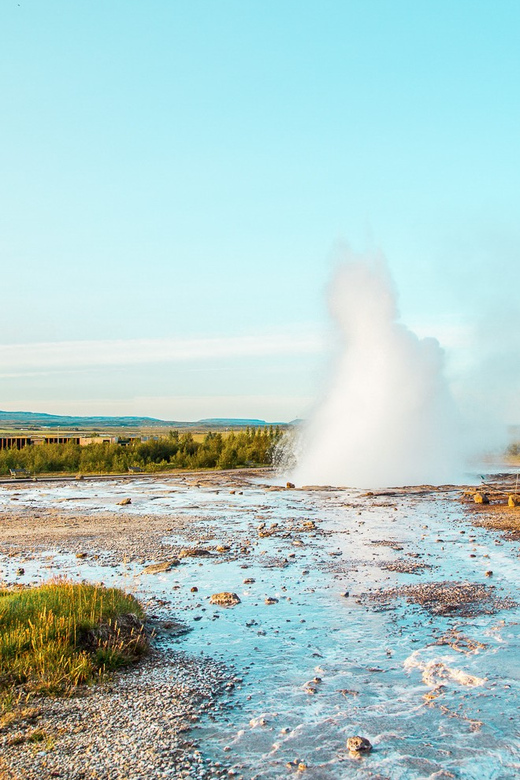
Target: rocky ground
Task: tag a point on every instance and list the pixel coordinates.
(115, 537)
(137, 726)
(134, 728)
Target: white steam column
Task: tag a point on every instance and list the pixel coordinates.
(388, 418)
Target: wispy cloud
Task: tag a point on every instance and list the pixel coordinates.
(63, 355)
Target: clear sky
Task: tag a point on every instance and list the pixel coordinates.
(176, 177)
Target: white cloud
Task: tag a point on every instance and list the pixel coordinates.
(450, 331)
(55, 356)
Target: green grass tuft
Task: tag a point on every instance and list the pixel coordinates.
(60, 635)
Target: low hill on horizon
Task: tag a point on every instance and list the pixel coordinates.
(36, 420)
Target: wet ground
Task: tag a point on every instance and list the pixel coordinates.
(388, 615)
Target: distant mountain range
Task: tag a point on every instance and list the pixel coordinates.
(36, 420)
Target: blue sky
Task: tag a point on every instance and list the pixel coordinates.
(176, 178)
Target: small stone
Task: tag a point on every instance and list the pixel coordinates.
(194, 552)
(249, 580)
(194, 589)
(124, 502)
(20, 571)
(358, 745)
(254, 722)
(158, 568)
(81, 555)
(290, 485)
(489, 573)
(271, 600)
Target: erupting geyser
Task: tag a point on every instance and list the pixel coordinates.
(388, 418)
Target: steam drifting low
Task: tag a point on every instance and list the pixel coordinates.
(388, 418)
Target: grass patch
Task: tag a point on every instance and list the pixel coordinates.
(60, 635)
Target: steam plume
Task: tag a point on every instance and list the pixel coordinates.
(388, 417)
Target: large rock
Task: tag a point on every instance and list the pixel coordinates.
(125, 631)
(514, 500)
(481, 498)
(224, 599)
(358, 745)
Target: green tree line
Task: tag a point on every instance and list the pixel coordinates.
(249, 447)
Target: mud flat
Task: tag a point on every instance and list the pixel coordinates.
(391, 615)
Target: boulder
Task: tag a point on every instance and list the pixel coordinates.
(125, 630)
(481, 498)
(224, 599)
(124, 502)
(513, 500)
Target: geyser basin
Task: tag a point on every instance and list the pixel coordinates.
(388, 417)
(434, 693)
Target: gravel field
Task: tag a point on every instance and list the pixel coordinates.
(135, 728)
(342, 599)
